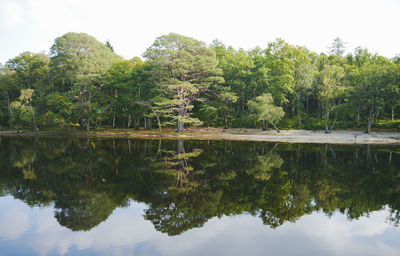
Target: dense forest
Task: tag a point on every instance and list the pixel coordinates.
(82, 84)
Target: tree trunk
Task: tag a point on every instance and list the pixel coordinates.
(298, 111)
(392, 113)
(129, 121)
(113, 121)
(115, 107)
(333, 124)
(34, 118)
(87, 125)
(336, 116)
(158, 123)
(276, 128)
(181, 147)
(327, 123)
(180, 127)
(10, 113)
(136, 122)
(226, 121)
(370, 120)
(358, 115)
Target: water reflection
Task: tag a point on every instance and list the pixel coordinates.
(182, 185)
(126, 233)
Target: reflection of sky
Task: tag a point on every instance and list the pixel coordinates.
(35, 231)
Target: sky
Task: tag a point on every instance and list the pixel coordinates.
(132, 25)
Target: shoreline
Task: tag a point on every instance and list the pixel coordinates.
(234, 134)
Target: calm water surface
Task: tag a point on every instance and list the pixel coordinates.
(150, 197)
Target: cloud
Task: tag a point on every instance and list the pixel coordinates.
(11, 13)
(14, 222)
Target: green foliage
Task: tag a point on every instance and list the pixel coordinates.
(78, 60)
(337, 47)
(22, 108)
(108, 44)
(31, 70)
(388, 124)
(182, 81)
(125, 86)
(8, 92)
(186, 68)
(61, 110)
(265, 110)
(280, 59)
(374, 83)
(330, 90)
(78, 56)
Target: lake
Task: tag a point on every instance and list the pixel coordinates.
(70, 196)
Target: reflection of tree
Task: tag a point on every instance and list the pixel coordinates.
(84, 211)
(176, 163)
(190, 211)
(262, 170)
(186, 183)
(178, 209)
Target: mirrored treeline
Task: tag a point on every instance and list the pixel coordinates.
(185, 183)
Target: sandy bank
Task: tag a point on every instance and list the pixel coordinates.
(292, 136)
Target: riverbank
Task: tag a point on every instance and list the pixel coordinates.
(235, 134)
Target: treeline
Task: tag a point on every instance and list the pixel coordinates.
(182, 81)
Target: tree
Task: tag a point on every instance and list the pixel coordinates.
(371, 86)
(78, 60)
(8, 92)
(60, 110)
(126, 85)
(304, 77)
(79, 56)
(32, 79)
(361, 57)
(330, 88)
(265, 110)
(31, 69)
(242, 81)
(159, 107)
(219, 107)
(280, 59)
(23, 108)
(186, 68)
(392, 90)
(226, 98)
(396, 59)
(108, 44)
(337, 47)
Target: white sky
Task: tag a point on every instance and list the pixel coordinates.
(132, 25)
